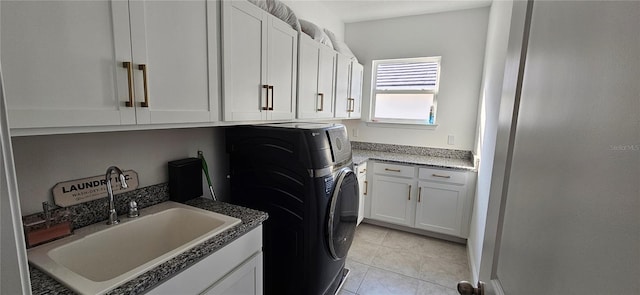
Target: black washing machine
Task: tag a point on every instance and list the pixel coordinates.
(301, 175)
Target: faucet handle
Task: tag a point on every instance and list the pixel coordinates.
(133, 209)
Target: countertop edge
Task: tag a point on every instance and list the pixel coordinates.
(361, 156)
(41, 283)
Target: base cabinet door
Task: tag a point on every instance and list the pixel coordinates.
(361, 172)
(393, 201)
(245, 280)
(440, 207)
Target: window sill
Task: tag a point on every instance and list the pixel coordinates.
(401, 125)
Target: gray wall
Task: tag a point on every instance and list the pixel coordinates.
(43, 161)
(459, 37)
(571, 222)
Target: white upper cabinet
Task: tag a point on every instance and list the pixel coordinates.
(260, 64)
(177, 42)
(355, 90)
(349, 75)
(64, 62)
(316, 78)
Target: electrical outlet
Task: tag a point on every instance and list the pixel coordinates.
(450, 140)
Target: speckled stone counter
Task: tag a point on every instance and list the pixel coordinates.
(441, 158)
(41, 283)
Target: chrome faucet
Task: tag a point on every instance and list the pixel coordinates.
(113, 215)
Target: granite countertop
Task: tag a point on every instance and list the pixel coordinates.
(441, 158)
(42, 283)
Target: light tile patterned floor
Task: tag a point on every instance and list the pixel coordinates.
(387, 262)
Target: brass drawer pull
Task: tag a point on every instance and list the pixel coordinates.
(392, 170)
(270, 107)
(264, 108)
(321, 108)
(145, 83)
(419, 193)
(441, 176)
(409, 192)
(366, 187)
(127, 65)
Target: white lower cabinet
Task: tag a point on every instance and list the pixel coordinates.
(361, 173)
(246, 279)
(234, 269)
(437, 200)
(440, 207)
(392, 200)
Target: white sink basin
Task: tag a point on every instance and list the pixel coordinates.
(100, 257)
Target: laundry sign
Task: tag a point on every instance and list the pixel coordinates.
(91, 188)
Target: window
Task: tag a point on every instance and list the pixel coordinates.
(405, 90)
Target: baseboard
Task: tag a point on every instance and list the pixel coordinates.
(417, 231)
(475, 272)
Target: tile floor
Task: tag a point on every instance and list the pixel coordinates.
(387, 262)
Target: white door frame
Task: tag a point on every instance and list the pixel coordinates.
(507, 122)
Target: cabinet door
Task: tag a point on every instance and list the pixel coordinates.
(244, 45)
(245, 280)
(362, 183)
(343, 77)
(393, 200)
(440, 207)
(308, 97)
(62, 63)
(282, 67)
(176, 41)
(355, 90)
(326, 80)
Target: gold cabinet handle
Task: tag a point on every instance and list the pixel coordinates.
(270, 107)
(419, 193)
(321, 108)
(366, 187)
(392, 170)
(143, 68)
(409, 192)
(351, 105)
(441, 176)
(264, 108)
(127, 65)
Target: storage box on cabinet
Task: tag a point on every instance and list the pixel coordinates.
(260, 54)
(71, 72)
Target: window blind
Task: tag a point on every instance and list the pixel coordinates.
(407, 76)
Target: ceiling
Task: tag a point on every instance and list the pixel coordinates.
(351, 11)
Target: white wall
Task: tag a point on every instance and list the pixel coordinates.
(493, 74)
(43, 161)
(459, 37)
(316, 12)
